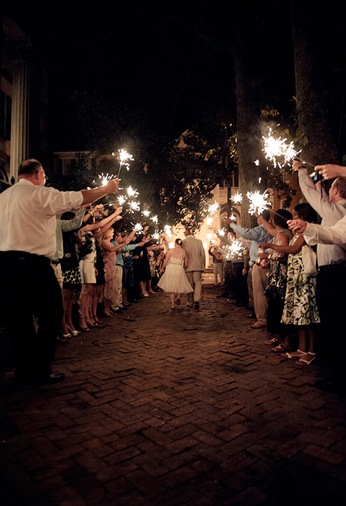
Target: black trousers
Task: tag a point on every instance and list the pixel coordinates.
(331, 299)
(31, 302)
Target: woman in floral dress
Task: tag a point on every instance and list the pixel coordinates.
(300, 307)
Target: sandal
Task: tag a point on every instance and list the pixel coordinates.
(296, 354)
(310, 357)
(279, 349)
(83, 326)
(272, 341)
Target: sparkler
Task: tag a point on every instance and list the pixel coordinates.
(237, 198)
(258, 201)
(105, 178)
(213, 208)
(138, 227)
(276, 148)
(124, 158)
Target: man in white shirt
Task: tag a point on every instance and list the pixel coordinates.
(29, 286)
(331, 276)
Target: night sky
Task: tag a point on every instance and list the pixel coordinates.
(168, 61)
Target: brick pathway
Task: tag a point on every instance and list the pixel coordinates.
(173, 409)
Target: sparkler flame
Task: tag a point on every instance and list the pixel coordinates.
(131, 192)
(276, 149)
(124, 158)
(134, 205)
(237, 198)
(213, 208)
(105, 178)
(258, 201)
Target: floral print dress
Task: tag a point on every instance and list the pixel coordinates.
(300, 307)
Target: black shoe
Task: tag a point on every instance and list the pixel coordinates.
(62, 339)
(196, 306)
(51, 379)
(251, 315)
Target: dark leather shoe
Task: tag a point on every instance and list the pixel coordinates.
(251, 315)
(196, 306)
(51, 379)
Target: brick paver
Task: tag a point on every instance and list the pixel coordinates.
(184, 408)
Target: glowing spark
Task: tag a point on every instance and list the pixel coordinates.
(155, 219)
(237, 198)
(168, 230)
(121, 200)
(146, 213)
(236, 247)
(277, 148)
(105, 178)
(213, 208)
(258, 201)
(233, 217)
(156, 236)
(138, 227)
(131, 192)
(134, 205)
(124, 159)
(221, 232)
(209, 220)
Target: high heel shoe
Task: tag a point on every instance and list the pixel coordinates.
(89, 322)
(108, 314)
(82, 326)
(73, 332)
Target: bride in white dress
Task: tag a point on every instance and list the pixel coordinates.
(174, 280)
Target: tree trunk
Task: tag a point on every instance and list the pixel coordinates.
(309, 26)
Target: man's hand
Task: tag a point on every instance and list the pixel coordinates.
(297, 226)
(330, 171)
(112, 185)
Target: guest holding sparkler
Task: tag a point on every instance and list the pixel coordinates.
(331, 258)
(256, 274)
(300, 307)
(29, 286)
(174, 280)
(277, 275)
(91, 286)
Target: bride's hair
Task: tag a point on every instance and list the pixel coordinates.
(178, 241)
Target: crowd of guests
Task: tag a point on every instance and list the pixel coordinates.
(101, 269)
(301, 308)
(59, 252)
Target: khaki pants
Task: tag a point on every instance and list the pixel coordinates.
(195, 280)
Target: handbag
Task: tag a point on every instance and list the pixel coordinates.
(309, 258)
(276, 288)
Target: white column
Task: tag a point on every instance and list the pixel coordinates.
(19, 117)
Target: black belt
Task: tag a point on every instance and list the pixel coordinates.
(333, 265)
(23, 255)
(55, 262)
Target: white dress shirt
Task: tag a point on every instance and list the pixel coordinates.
(28, 217)
(336, 234)
(330, 213)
